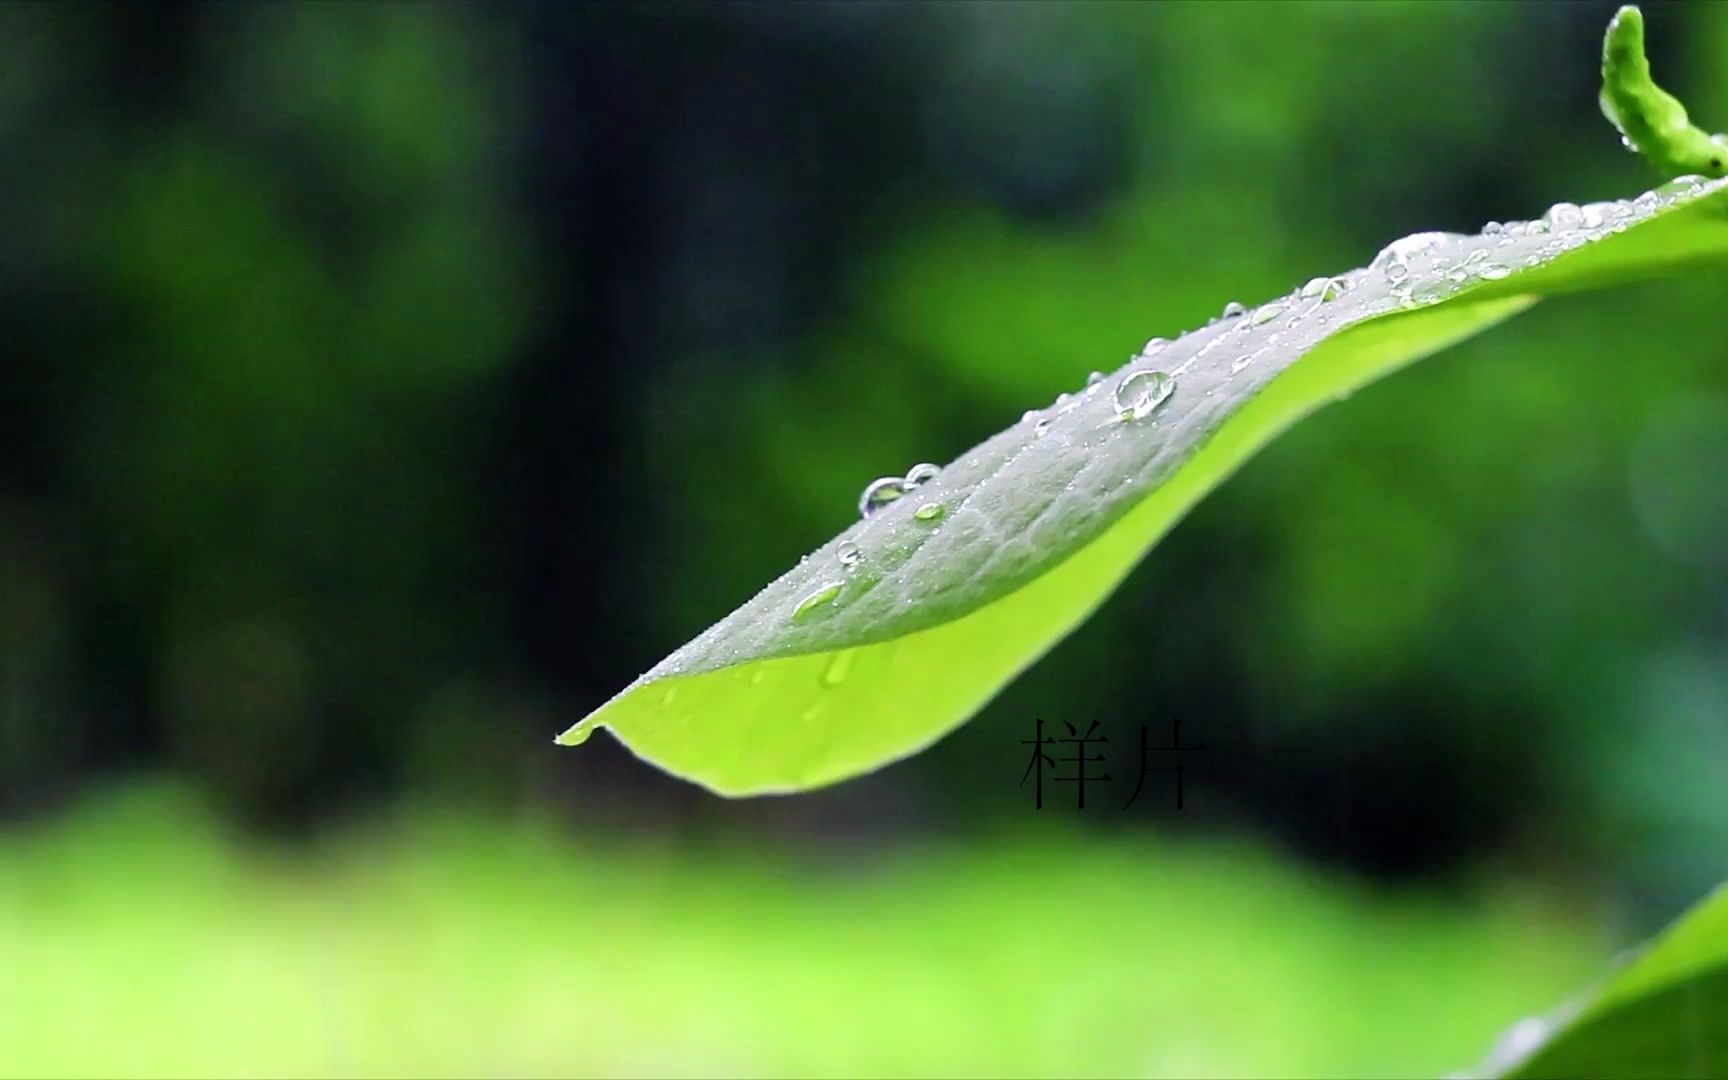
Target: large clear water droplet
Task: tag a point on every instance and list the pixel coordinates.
(1324, 289)
(1233, 310)
(817, 601)
(1141, 391)
(879, 493)
(929, 511)
(921, 474)
(1563, 217)
(1404, 248)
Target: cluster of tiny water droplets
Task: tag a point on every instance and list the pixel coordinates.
(1040, 419)
(878, 494)
(1218, 366)
(1427, 267)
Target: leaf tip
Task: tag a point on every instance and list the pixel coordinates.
(1623, 60)
(575, 735)
(1624, 39)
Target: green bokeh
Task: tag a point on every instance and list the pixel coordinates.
(385, 385)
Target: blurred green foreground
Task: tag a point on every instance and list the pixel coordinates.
(448, 946)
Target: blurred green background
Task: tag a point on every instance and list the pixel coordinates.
(386, 385)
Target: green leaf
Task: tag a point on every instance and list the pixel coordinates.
(1664, 1015)
(899, 629)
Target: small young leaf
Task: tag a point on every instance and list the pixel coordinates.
(1652, 120)
(907, 623)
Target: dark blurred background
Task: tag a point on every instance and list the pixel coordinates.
(386, 385)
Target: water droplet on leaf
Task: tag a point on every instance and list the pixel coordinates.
(1265, 313)
(1141, 391)
(1563, 217)
(880, 493)
(1324, 289)
(921, 474)
(816, 601)
(1401, 249)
